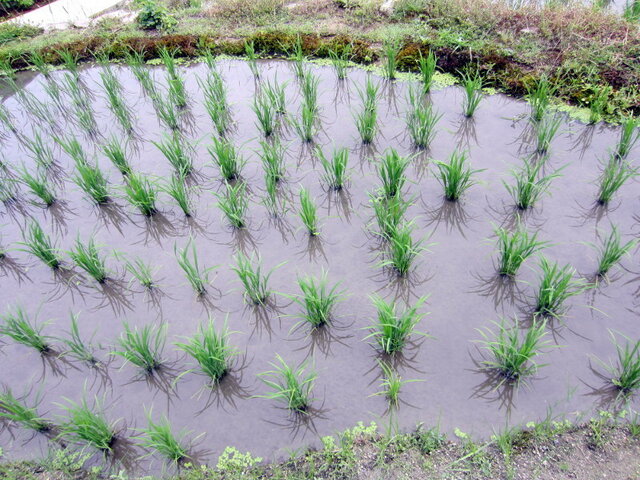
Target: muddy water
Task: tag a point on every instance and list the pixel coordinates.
(458, 273)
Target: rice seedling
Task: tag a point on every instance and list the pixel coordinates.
(15, 410)
(114, 151)
(340, 60)
(176, 153)
(309, 88)
(513, 351)
(226, 158)
(598, 104)
(159, 436)
(87, 256)
(175, 82)
(8, 190)
(272, 156)
(254, 281)
(69, 60)
(39, 64)
(135, 61)
(142, 347)
(293, 386)
(546, 130)
(421, 120)
(317, 300)
(275, 93)
(472, 84)
(6, 119)
(39, 244)
(272, 200)
(177, 189)
(306, 125)
(611, 250)
(73, 148)
(557, 285)
(115, 96)
(614, 175)
(456, 176)
(335, 170)
(390, 51)
(141, 271)
(391, 173)
(298, 58)
(626, 371)
(197, 276)
(265, 114)
(402, 249)
(166, 112)
(539, 96)
(211, 349)
(6, 69)
(82, 108)
(392, 328)
(39, 186)
(389, 213)
(391, 384)
(252, 57)
(215, 101)
(91, 179)
(141, 193)
(18, 327)
(529, 185)
(86, 424)
(234, 204)
(76, 347)
(427, 70)
(515, 247)
(367, 119)
(308, 212)
(629, 135)
(53, 90)
(39, 151)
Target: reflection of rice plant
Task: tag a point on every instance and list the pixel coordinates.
(390, 51)
(427, 70)
(142, 347)
(626, 372)
(335, 170)
(539, 96)
(456, 176)
(76, 346)
(529, 184)
(159, 436)
(391, 172)
(234, 203)
(340, 59)
(367, 118)
(39, 244)
(546, 130)
(141, 193)
(308, 212)
(557, 285)
(211, 350)
(18, 327)
(389, 213)
(176, 153)
(39, 186)
(226, 158)
(512, 350)
(15, 410)
(197, 276)
(317, 300)
(598, 104)
(114, 151)
(249, 271)
(472, 84)
(615, 174)
(177, 189)
(629, 135)
(391, 384)
(421, 120)
(275, 93)
(87, 424)
(402, 249)
(87, 256)
(393, 329)
(265, 112)
(252, 58)
(611, 250)
(515, 247)
(292, 386)
(272, 157)
(91, 179)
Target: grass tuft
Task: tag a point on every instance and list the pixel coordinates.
(472, 84)
(308, 212)
(141, 193)
(546, 130)
(196, 275)
(390, 51)
(317, 300)
(39, 244)
(85, 424)
(427, 67)
(611, 251)
(389, 213)
(530, 185)
(421, 120)
(114, 151)
(539, 96)
(367, 118)
(39, 186)
(159, 436)
(249, 271)
(91, 179)
(176, 153)
(76, 346)
(335, 170)
(234, 204)
(226, 158)
(402, 249)
(629, 135)
(614, 175)
(15, 410)
(340, 60)
(391, 172)
(626, 372)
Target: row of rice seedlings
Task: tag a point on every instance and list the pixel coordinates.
(177, 189)
(39, 186)
(472, 85)
(530, 184)
(82, 108)
(616, 173)
(136, 63)
(515, 247)
(340, 58)
(174, 150)
(389, 213)
(91, 179)
(141, 193)
(293, 386)
(309, 212)
(226, 158)
(391, 172)
(265, 112)
(18, 327)
(142, 347)
(402, 250)
(546, 130)
(557, 285)
(39, 244)
(87, 256)
(215, 101)
(252, 57)
(76, 347)
(539, 96)
(234, 203)
(176, 88)
(629, 135)
(598, 104)
(254, 281)
(421, 120)
(367, 118)
(115, 152)
(39, 151)
(392, 328)
(275, 93)
(273, 161)
(197, 276)
(317, 300)
(87, 424)
(427, 67)
(16, 410)
(456, 176)
(335, 169)
(611, 251)
(115, 96)
(390, 51)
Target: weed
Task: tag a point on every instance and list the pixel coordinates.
(391, 173)
(159, 436)
(615, 174)
(340, 60)
(515, 248)
(91, 179)
(557, 285)
(611, 251)
(456, 176)
(249, 271)
(292, 386)
(142, 347)
(141, 192)
(427, 70)
(529, 184)
(629, 135)
(234, 203)
(176, 153)
(226, 158)
(18, 327)
(76, 347)
(539, 97)
(472, 84)
(308, 213)
(39, 244)
(335, 170)
(196, 275)
(87, 424)
(390, 51)
(421, 120)
(392, 329)
(39, 186)
(317, 300)
(546, 130)
(87, 257)
(15, 410)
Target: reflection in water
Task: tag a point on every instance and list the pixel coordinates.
(453, 214)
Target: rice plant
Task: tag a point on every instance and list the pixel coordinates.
(340, 60)
(69, 60)
(87, 256)
(421, 120)
(81, 105)
(367, 118)
(252, 58)
(176, 153)
(306, 125)
(7, 119)
(141, 193)
(15, 410)
(308, 213)
(472, 85)
(177, 189)
(39, 151)
(557, 285)
(141, 271)
(427, 70)
(215, 101)
(298, 58)
(272, 199)
(226, 158)
(515, 247)
(456, 176)
(76, 347)
(390, 51)
(91, 179)
(72, 147)
(136, 62)
(625, 373)
(391, 384)
(177, 93)
(197, 276)
(8, 190)
(141, 347)
(265, 114)
(87, 424)
(166, 112)
(39, 244)
(335, 169)
(114, 151)
(629, 135)
(611, 250)
(598, 104)
(159, 436)
(529, 185)
(292, 386)
(40, 65)
(391, 172)
(211, 350)
(389, 213)
(234, 203)
(614, 175)
(539, 96)
(115, 96)
(317, 300)
(18, 327)
(513, 351)
(393, 328)
(254, 281)
(309, 88)
(275, 93)
(546, 130)
(39, 186)
(273, 162)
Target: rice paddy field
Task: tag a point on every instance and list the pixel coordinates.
(260, 253)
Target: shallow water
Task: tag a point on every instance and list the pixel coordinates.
(458, 272)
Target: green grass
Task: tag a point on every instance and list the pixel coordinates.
(598, 104)
(390, 51)
(389, 213)
(252, 58)
(265, 112)
(292, 386)
(39, 244)
(308, 212)
(391, 172)
(234, 204)
(539, 96)
(625, 374)
(614, 175)
(91, 179)
(177, 189)
(611, 251)
(275, 93)
(254, 281)
(85, 424)
(456, 177)
(427, 67)
(176, 153)
(515, 247)
(546, 130)
(557, 285)
(159, 437)
(421, 120)
(273, 161)
(393, 328)
(317, 300)
(335, 170)
(472, 85)
(512, 350)
(367, 118)
(141, 193)
(530, 184)
(142, 347)
(211, 350)
(629, 135)
(226, 158)
(340, 60)
(402, 250)
(197, 276)
(15, 410)
(39, 186)
(87, 256)
(18, 327)
(114, 151)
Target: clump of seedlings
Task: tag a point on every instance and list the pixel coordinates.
(402, 249)
(626, 371)
(367, 118)
(305, 126)
(309, 89)
(37, 61)
(389, 213)
(211, 350)
(176, 153)
(530, 185)
(456, 176)
(539, 96)
(141, 193)
(141, 271)
(159, 436)
(513, 351)
(611, 250)
(39, 244)
(308, 212)
(76, 347)
(275, 93)
(427, 67)
(85, 424)
(546, 130)
(69, 61)
(91, 179)
(615, 174)
(629, 135)
(39, 151)
(317, 300)
(15, 410)
(557, 285)
(335, 169)
(272, 199)
(177, 189)
(226, 158)
(421, 120)
(177, 92)
(393, 329)
(255, 283)
(252, 58)
(115, 96)
(215, 101)
(142, 347)
(87, 256)
(265, 112)
(82, 108)
(340, 58)
(166, 112)
(234, 203)
(272, 156)
(136, 62)
(391, 384)
(298, 58)
(18, 327)
(391, 172)
(292, 386)
(39, 186)
(72, 147)
(390, 51)
(515, 247)
(472, 84)
(197, 276)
